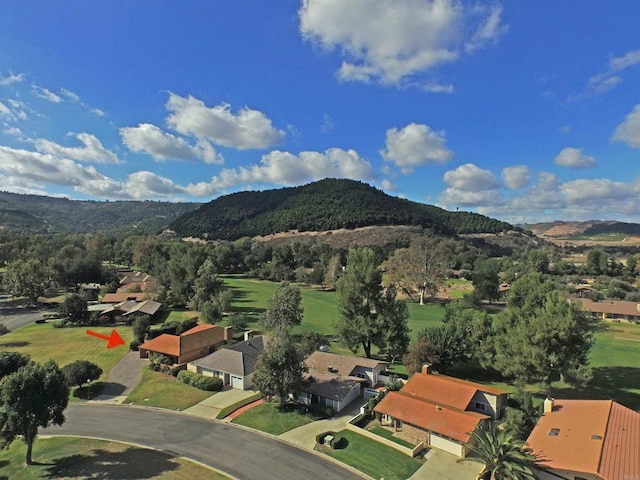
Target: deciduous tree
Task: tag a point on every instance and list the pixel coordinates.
(284, 309)
(26, 278)
(80, 372)
(32, 397)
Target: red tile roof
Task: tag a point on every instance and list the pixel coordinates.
(597, 437)
(446, 390)
(123, 297)
(428, 415)
(165, 343)
(198, 328)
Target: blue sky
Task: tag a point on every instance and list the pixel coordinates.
(525, 111)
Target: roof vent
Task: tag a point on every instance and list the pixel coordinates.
(596, 437)
(438, 407)
(554, 432)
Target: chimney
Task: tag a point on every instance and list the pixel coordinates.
(548, 405)
(426, 368)
(228, 334)
(248, 334)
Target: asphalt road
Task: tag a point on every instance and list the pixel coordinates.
(16, 317)
(240, 453)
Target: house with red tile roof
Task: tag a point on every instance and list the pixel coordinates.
(190, 345)
(587, 439)
(441, 411)
(124, 297)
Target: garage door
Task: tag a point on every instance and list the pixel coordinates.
(236, 382)
(447, 445)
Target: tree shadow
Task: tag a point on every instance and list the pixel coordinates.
(608, 383)
(131, 463)
(21, 343)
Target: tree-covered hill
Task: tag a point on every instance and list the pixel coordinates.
(328, 204)
(34, 213)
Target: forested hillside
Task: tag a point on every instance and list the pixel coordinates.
(34, 213)
(324, 205)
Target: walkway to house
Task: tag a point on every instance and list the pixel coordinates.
(211, 406)
(445, 466)
(122, 379)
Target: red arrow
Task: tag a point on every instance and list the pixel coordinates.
(115, 340)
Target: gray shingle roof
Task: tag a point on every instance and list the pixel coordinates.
(238, 359)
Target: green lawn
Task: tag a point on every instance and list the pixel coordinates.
(65, 345)
(81, 458)
(320, 311)
(373, 458)
(165, 391)
(267, 417)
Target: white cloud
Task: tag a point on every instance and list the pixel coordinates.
(245, 130)
(11, 78)
(91, 151)
(46, 94)
(14, 132)
(4, 110)
(453, 197)
(598, 190)
(388, 185)
(283, 168)
(392, 40)
(629, 130)
(149, 185)
(70, 95)
(516, 177)
(608, 79)
(148, 138)
(415, 145)
(574, 158)
(470, 178)
(97, 112)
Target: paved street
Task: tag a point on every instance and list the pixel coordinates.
(16, 317)
(243, 454)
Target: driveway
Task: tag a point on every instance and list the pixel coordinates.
(238, 452)
(211, 406)
(445, 466)
(122, 379)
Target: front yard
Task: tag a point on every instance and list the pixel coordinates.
(268, 417)
(165, 391)
(372, 458)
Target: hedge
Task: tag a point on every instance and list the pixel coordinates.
(228, 410)
(209, 384)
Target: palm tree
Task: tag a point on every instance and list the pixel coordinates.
(503, 453)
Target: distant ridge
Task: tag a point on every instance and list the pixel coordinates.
(324, 205)
(41, 214)
(591, 228)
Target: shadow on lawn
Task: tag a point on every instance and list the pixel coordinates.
(608, 383)
(131, 463)
(240, 296)
(14, 344)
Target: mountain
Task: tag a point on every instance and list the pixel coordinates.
(591, 229)
(324, 205)
(40, 214)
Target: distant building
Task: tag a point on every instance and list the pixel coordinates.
(614, 310)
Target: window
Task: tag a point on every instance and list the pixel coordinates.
(554, 432)
(481, 406)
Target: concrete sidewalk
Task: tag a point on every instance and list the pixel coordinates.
(211, 406)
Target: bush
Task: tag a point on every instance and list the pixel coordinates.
(133, 346)
(209, 384)
(175, 370)
(322, 411)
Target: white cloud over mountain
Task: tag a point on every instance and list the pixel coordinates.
(415, 145)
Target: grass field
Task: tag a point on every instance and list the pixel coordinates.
(81, 458)
(615, 357)
(366, 456)
(65, 345)
(320, 313)
(267, 417)
(165, 391)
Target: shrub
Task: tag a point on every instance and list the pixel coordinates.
(175, 370)
(133, 346)
(322, 411)
(209, 384)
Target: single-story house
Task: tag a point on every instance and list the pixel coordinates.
(235, 363)
(190, 345)
(337, 380)
(129, 308)
(123, 297)
(611, 309)
(587, 439)
(441, 411)
(128, 278)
